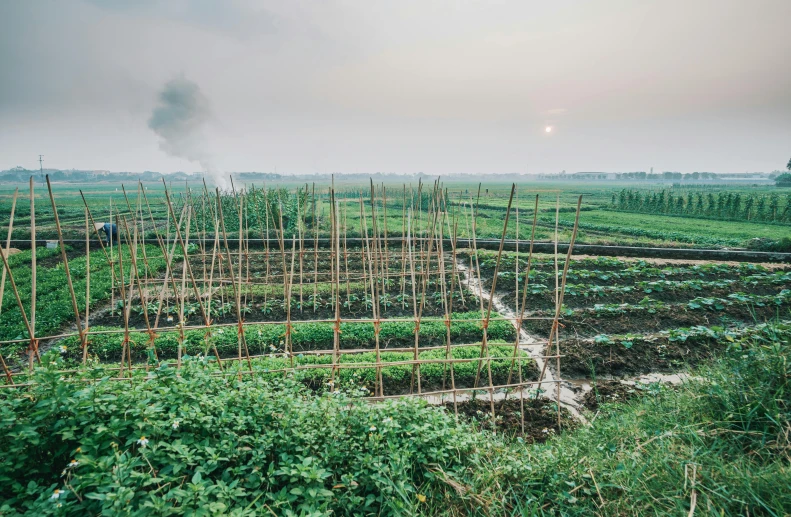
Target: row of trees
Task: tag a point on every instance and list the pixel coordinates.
(722, 205)
(666, 176)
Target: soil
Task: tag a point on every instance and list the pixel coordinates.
(583, 359)
(609, 391)
(541, 417)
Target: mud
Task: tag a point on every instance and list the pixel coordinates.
(540, 417)
(607, 392)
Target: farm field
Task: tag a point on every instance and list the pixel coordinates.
(629, 317)
(604, 222)
(329, 366)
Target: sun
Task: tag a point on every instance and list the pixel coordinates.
(548, 129)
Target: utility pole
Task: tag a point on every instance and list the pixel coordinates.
(41, 167)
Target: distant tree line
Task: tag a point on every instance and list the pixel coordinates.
(666, 176)
(722, 205)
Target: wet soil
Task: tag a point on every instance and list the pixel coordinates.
(583, 359)
(604, 392)
(541, 417)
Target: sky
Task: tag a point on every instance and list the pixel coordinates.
(407, 86)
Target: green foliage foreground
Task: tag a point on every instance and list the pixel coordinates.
(197, 444)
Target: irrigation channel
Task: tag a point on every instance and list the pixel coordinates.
(537, 348)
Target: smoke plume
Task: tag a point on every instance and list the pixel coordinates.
(179, 120)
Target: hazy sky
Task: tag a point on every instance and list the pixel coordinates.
(401, 86)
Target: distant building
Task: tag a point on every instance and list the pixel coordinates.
(594, 175)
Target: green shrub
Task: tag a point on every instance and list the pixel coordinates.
(198, 444)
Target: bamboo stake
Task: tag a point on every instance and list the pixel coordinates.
(384, 205)
(33, 342)
(184, 251)
(403, 250)
(301, 249)
(111, 258)
(8, 245)
(484, 342)
(9, 377)
(346, 252)
(416, 366)
(169, 273)
(423, 292)
(87, 282)
(32, 257)
(266, 256)
(124, 307)
(240, 329)
(315, 250)
(562, 288)
(446, 306)
(66, 267)
(522, 313)
(182, 291)
(336, 338)
(373, 267)
(289, 345)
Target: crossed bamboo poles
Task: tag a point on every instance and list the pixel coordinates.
(437, 222)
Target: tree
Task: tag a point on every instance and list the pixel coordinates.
(784, 180)
(789, 164)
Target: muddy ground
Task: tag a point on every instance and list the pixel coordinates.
(541, 417)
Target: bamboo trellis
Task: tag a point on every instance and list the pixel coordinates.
(427, 255)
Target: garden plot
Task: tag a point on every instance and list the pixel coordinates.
(283, 333)
(380, 318)
(629, 317)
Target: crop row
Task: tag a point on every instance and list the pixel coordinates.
(613, 269)
(305, 336)
(699, 303)
(654, 315)
(396, 378)
(634, 354)
(53, 300)
(650, 234)
(592, 291)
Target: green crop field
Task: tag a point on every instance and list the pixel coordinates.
(203, 372)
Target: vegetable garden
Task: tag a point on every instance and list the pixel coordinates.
(318, 315)
(251, 283)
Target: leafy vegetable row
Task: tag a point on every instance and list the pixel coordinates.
(266, 339)
(53, 300)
